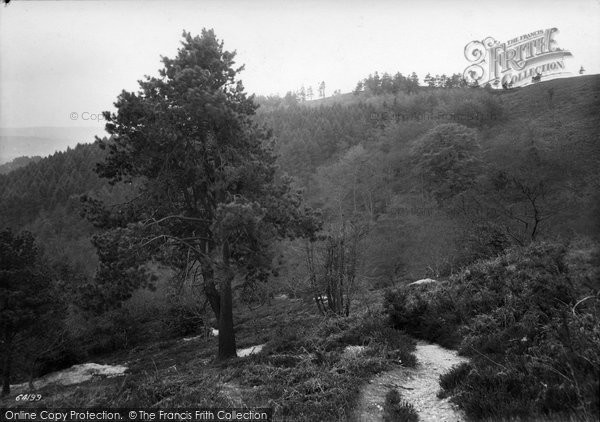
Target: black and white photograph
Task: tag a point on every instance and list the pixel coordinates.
(300, 211)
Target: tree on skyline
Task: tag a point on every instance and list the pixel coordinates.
(309, 93)
(322, 89)
(302, 93)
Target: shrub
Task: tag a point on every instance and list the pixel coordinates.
(490, 392)
(366, 330)
(533, 350)
(183, 319)
(426, 312)
(118, 329)
(397, 410)
(453, 379)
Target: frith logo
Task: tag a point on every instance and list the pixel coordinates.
(517, 62)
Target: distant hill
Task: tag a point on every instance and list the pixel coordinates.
(527, 99)
(334, 99)
(43, 141)
(575, 98)
(314, 137)
(48, 183)
(18, 163)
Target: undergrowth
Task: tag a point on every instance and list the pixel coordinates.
(304, 372)
(528, 320)
(306, 375)
(397, 410)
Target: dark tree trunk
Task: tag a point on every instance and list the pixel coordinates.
(32, 371)
(227, 348)
(210, 290)
(6, 362)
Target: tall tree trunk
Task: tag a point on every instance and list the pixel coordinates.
(227, 347)
(6, 362)
(210, 290)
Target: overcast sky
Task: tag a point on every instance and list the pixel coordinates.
(59, 57)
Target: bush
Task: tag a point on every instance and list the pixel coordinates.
(396, 410)
(425, 312)
(489, 392)
(481, 241)
(182, 320)
(365, 330)
(452, 379)
(533, 351)
(119, 329)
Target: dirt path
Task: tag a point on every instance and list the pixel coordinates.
(418, 386)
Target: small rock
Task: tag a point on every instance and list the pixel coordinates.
(422, 281)
(250, 350)
(353, 350)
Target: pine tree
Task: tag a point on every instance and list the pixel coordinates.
(322, 89)
(302, 94)
(429, 80)
(210, 200)
(24, 293)
(414, 79)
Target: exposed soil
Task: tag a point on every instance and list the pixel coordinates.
(74, 375)
(418, 386)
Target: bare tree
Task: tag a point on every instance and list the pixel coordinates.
(332, 268)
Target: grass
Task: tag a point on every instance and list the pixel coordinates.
(302, 373)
